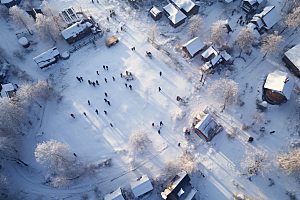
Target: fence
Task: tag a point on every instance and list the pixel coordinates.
(157, 46)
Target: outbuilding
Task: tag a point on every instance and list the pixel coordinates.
(193, 47)
(179, 188)
(76, 31)
(292, 59)
(116, 195)
(155, 13)
(7, 90)
(206, 128)
(47, 58)
(111, 41)
(278, 87)
(141, 186)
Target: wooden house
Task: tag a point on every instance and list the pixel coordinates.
(155, 13)
(141, 187)
(169, 10)
(250, 5)
(292, 59)
(116, 195)
(206, 128)
(212, 57)
(179, 188)
(76, 32)
(186, 6)
(278, 87)
(266, 19)
(111, 41)
(177, 19)
(47, 58)
(193, 47)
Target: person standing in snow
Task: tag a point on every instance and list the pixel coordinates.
(105, 112)
(111, 125)
(126, 85)
(78, 78)
(159, 89)
(72, 115)
(113, 78)
(121, 75)
(160, 123)
(75, 154)
(158, 131)
(97, 82)
(108, 103)
(130, 87)
(93, 1)
(89, 102)
(81, 78)
(106, 67)
(152, 124)
(160, 73)
(97, 72)
(105, 94)
(105, 80)
(84, 113)
(89, 82)
(107, 18)
(96, 111)
(94, 84)
(105, 100)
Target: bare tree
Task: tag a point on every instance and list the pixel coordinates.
(153, 30)
(46, 27)
(19, 17)
(53, 13)
(226, 90)
(27, 5)
(218, 32)
(3, 11)
(270, 43)
(196, 23)
(290, 161)
(245, 39)
(139, 140)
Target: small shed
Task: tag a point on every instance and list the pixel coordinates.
(278, 87)
(266, 19)
(206, 128)
(7, 90)
(76, 32)
(47, 58)
(292, 59)
(10, 3)
(155, 13)
(141, 186)
(193, 47)
(116, 195)
(177, 19)
(69, 16)
(111, 41)
(186, 6)
(179, 188)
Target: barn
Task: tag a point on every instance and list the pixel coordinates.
(155, 13)
(193, 47)
(206, 128)
(179, 188)
(47, 58)
(278, 87)
(292, 59)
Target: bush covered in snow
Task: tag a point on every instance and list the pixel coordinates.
(290, 161)
(139, 140)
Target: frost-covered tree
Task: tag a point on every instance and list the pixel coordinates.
(27, 5)
(270, 43)
(245, 39)
(195, 25)
(153, 30)
(218, 32)
(46, 27)
(20, 17)
(3, 11)
(290, 161)
(49, 11)
(139, 140)
(225, 90)
(293, 18)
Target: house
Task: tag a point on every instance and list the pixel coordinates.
(10, 3)
(292, 59)
(186, 6)
(47, 58)
(179, 188)
(212, 57)
(278, 87)
(250, 5)
(76, 32)
(7, 90)
(116, 195)
(111, 41)
(170, 9)
(266, 19)
(177, 19)
(69, 16)
(141, 186)
(155, 13)
(206, 128)
(193, 47)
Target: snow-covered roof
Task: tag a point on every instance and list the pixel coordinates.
(142, 186)
(69, 15)
(209, 51)
(6, 1)
(191, 194)
(269, 15)
(228, 1)
(46, 57)
(74, 30)
(216, 59)
(177, 17)
(23, 41)
(294, 56)
(116, 195)
(186, 5)
(6, 88)
(258, 21)
(225, 55)
(194, 45)
(280, 82)
(154, 11)
(170, 8)
(207, 125)
(251, 2)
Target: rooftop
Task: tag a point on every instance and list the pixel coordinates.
(141, 186)
(116, 195)
(194, 45)
(177, 17)
(293, 55)
(207, 125)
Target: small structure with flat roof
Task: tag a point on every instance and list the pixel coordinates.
(292, 59)
(193, 47)
(47, 58)
(7, 90)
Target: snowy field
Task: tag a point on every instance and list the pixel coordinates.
(92, 137)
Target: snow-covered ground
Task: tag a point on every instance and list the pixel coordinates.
(92, 138)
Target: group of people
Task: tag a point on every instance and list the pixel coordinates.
(160, 126)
